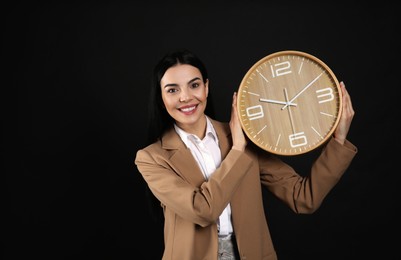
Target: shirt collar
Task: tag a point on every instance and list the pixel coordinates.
(186, 137)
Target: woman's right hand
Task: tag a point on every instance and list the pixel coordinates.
(239, 140)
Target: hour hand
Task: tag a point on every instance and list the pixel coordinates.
(277, 102)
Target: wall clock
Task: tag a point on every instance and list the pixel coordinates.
(289, 103)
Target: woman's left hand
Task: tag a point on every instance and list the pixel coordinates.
(340, 134)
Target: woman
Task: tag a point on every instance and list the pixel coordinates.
(208, 178)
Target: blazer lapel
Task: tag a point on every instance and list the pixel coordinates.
(181, 158)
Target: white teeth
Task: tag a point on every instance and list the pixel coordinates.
(188, 109)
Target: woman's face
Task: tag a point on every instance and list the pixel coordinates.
(185, 95)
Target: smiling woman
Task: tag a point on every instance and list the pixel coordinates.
(203, 172)
(184, 95)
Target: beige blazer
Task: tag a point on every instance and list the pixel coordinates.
(192, 205)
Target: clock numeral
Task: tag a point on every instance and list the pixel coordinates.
(326, 95)
(297, 139)
(280, 69)
(255, 112)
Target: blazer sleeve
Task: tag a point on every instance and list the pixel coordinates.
(304, 194)
(201, 204)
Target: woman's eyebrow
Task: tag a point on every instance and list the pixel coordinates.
(175, 84)
(171, 85)
(194, 79)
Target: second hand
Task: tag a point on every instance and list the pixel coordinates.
(289, 111)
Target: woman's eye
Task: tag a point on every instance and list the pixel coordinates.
(171, 90)
(195, 85)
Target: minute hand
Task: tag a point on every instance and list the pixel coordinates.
(299, 93)
(276, 102)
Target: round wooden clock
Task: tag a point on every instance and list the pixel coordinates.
(289, 103)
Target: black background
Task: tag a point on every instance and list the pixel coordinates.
(79, 75)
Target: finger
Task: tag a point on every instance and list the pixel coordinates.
(346, 96)
(234, 104)
(348, 111)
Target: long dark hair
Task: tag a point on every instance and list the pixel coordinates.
(159, 120)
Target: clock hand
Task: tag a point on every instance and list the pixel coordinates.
(300, 92)
(289, 111)
(277, 102)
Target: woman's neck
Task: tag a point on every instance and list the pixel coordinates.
(198, 128)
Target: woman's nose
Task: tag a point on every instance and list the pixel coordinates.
(184, 96)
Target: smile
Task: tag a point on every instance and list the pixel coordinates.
(187, 109)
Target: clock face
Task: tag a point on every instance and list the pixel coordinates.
(289, 103)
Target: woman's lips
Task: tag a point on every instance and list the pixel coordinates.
(188, 109)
